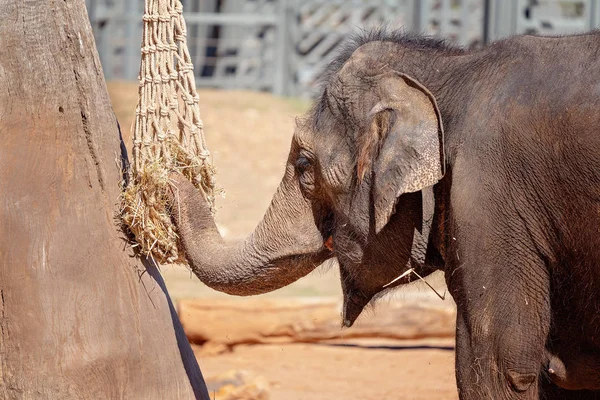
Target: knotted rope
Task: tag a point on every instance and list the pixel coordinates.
(167, 133)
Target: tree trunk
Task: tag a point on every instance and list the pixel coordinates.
(79, 317)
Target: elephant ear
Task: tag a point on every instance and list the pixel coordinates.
(407, 126)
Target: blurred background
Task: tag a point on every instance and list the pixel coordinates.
(281, 45)
(256, 62)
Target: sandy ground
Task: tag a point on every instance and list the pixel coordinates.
(325, 372)
(249, 136)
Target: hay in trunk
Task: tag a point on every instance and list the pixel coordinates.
(146, 203)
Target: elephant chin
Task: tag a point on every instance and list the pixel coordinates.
(355, 300)
(352, 307)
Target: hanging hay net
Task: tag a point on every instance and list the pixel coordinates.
(167, 134)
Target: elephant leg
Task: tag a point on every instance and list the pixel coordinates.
(502, 325)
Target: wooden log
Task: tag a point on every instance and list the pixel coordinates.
(231, 322)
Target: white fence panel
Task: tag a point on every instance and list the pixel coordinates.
(282, 45)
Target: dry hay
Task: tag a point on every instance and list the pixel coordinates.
(146, 203)
(167, 134)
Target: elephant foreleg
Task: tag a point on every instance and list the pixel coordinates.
(502, 325)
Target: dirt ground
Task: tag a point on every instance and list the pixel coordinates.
(249, 135)
(325, 372)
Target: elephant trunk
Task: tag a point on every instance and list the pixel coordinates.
(285, 246)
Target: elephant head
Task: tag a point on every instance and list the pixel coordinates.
(352, 189)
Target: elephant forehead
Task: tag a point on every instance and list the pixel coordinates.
(303, 138)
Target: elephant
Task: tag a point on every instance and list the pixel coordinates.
(482, 163)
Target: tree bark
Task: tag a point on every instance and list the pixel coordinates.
(79, 316)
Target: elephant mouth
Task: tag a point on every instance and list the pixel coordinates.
(329, 244)
(354, 301)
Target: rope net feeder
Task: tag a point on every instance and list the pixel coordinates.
(167, 133)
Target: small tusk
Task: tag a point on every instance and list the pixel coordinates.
(407, 272)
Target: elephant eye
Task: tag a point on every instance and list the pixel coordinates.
(306, 177)
(302, 164)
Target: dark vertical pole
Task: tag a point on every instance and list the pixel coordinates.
(281, 75)
(486, 21)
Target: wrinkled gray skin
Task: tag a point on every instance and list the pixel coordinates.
(508, 137)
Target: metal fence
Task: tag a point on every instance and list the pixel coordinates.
(282, 45)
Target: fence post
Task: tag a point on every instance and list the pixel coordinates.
(502, 21)
(133, 40)
(487, 16)
(102, 19)
(420, 15)
(594, 14)
(445, 17)
(281, 67)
